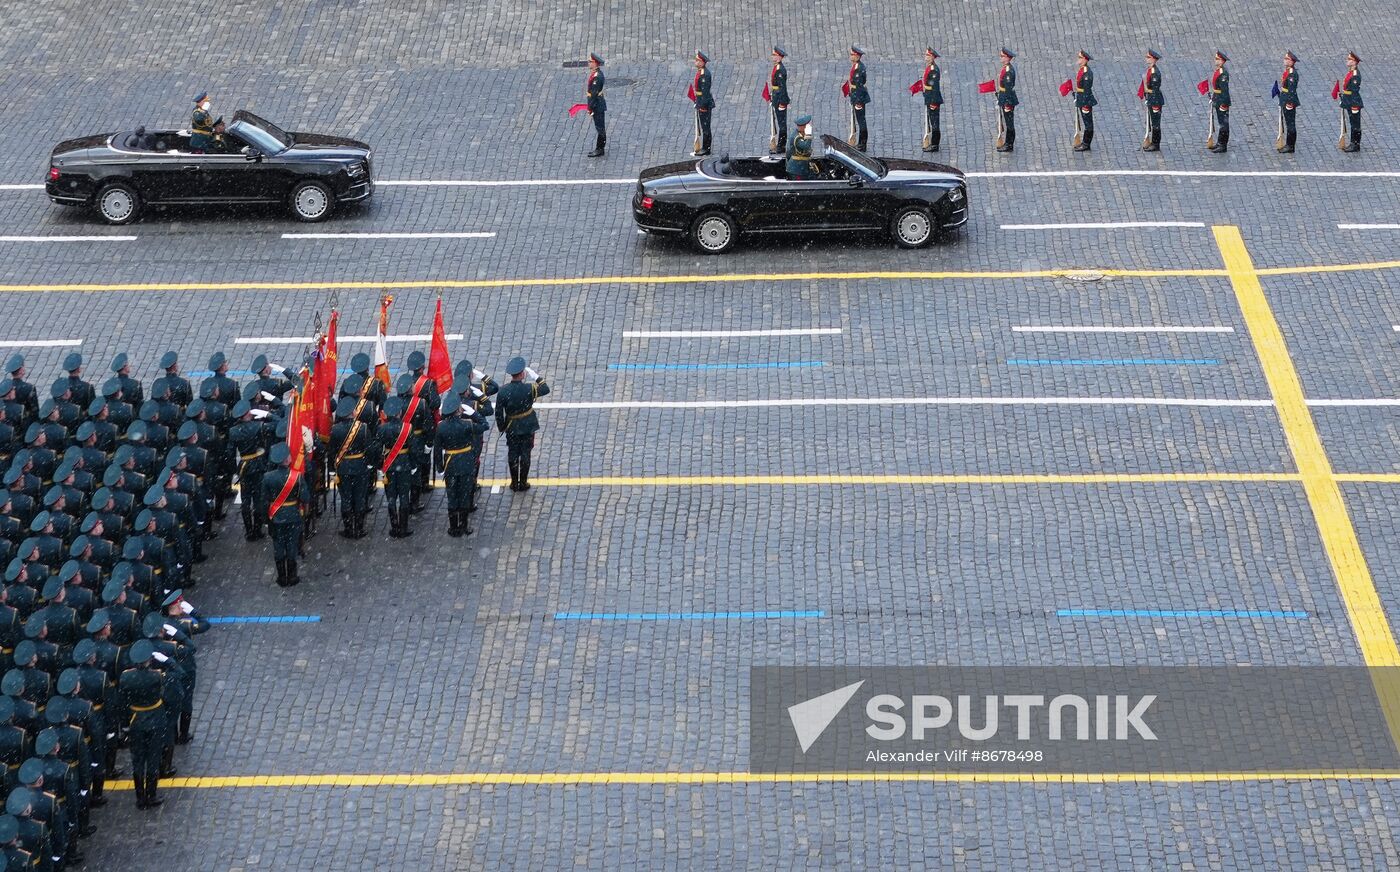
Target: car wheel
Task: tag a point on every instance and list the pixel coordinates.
(311, 201)
(912, 227)
(117, 203)
(714, 233)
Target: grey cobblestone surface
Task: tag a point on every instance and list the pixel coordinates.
(439, 656)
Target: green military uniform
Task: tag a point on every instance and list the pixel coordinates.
(1349, 97)
(250, 438)
(456, 436)
(201, 126)
(1287, 92)
(703, 98)
(1084, 102)
(1007, 101)
(394, 440)
(143, 693)
(799, 153)
(354, 458)
(423, 420)
(285, 521)
(932, 87)
(1219, 89)
(475, 400)
(1150, 92)
(597, 104)
(516, 418)
(859, 96)
(775, 91)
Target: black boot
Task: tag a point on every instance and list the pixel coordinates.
(252, 527)
(453, 529)
(599, 147)
(514, 464)
(281, 572)
(184, 736)
(464, 524)
(140, 791)
(524, 472)
(151, 799)
(292, 578)
(347, 528)
(167, 764)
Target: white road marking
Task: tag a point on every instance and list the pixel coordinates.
(1364, 401)
(495, 488)
(1092, 329)
(1008, 174)
(496, 183)
(39, 343)
(471, 235)
(906, 401)
(1110, 225)
(702, 334)
(306, 340)
(1368, 226)
(21, 187)
(67, 238)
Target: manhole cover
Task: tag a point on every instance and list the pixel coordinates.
(1085, 275)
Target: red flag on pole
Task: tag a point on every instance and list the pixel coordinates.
(326, 379)
(1336, 89)
(916, 87)
(296, 446)
(1142, 90)
(767, 98)
(690, 92)
(577, 108)
(1065, 87)
(381, 351)
(846, 88)
(1203, 85)
(986, 87)
(439, 361)
(407, 428)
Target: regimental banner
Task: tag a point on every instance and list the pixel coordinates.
(1072, 720)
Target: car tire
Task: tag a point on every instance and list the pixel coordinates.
(311, 201)
(912, 227)
(714, 232)
(117, 203)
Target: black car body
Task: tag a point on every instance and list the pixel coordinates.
(715, 200)
(254, 162)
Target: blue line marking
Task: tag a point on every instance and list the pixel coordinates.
(205, 373)
(683, 616)
(796, 364)
(268, 619)
(1142, 361)
(1177, 613)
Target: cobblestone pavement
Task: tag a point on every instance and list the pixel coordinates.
(436, 656)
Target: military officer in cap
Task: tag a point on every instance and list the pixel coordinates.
(33, 798)
(15, 743)
(775, 91)
(225, 388)
(81, 391)
(855, 91)
(1084, 102)
(1349, 96)
(1219, 89)
(516, 418)
(361, 383)
(475, 400)
(201, 125)
(142, 689)
(267, 383)
(132, 392)
(83, 717)
(932, 87)
(394, 440)
(14, 858)
(285, 520)
(353, 453)
(597, 104)
(25, 395)
(251, 435)
(71, 783)
(1286, 90)
(456, 436)
(799, 153)
(701, 96)
(424, 422)
(1007, 101)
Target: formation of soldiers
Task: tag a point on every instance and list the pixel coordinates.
(1346, 91)
(109, 496)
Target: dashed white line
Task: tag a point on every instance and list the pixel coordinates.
(39, 343)
(1368, 226)
(707, 334)
(497, 183)
(21, 187)
(306, 340)
(394, 235)
(1107, 225)
(905, 401)
(1097, 329)
(67, 238)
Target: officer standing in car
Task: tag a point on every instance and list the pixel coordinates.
(201, 125)
(799, 153)
(597, 104)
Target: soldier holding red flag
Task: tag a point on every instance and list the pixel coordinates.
(1348, 93)
(1150, 93)
(285, 493)
(775, 91)
(393, 439)
(700, 95)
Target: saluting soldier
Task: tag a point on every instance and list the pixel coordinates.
(701, 96)
(799, 153)
(475, 400)
(1150, 92)
(1084, 102)
(250, 437)
(143, 693)
(775, 91)
(455, 438)
(285, 521)
(1349, 92)
(1219, 88)
(1007, 101)
(350, 451)
(855, 90)
(597, 104)
(1287, 89)
(201, 125)
(516, 418)
(400, 476)
(932, 85)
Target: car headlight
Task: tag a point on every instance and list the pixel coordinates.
(955, 195)
(355, 170)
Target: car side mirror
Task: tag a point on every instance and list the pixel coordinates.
(252, 154)
(855, 182)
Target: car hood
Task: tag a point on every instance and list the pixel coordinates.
(908, 169)
(320, 142)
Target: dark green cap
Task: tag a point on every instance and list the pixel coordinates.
(9, 829)
(41, 520)
(188, 430)
(169, 359)
(86, 649)
(404, 386)
(394, 407)
(80, 543)
(26, 652)
(241, 408)
(7, 709)
(111, 592)
(144, 519)
(172, 598)
(150, 411)
(29, 775)
(47, 742)
(15, 363)
(451, 404)
(217, 359)
(111, 387)
(259, 364)
(416, 360)
(34, 626)
(141, 651)
(68, 679)
(136, 431)
(153, 626)
(154, 494)
(99, 619)
(58, 389)
(346, 407)
(360, 363)
(132, 549)
(13, 683)
(279, 454)
(119, 362)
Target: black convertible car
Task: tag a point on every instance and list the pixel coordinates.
(715, 200)
(255, 161)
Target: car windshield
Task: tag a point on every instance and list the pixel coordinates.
(856, 160)
(260, 133)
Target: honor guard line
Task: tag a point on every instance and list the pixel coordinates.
(1320, 485)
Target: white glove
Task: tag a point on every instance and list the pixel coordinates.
(266, 396)
(186, 607)
(278, 368)
(160, 657)
(259, 413)
(169, 630)
(478, 375)
(476, 392)
(531, 374)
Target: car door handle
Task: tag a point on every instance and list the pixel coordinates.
(191, 169)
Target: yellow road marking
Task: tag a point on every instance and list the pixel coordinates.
(1334, 525)
(470, 779)
(780, 480)
(1328, 268)
(1369, 477)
